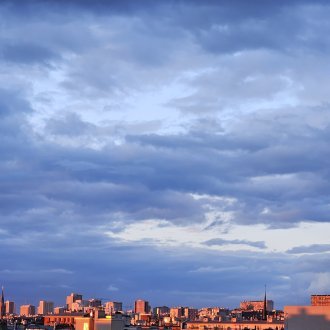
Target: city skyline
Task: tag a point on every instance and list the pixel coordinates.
(176, 151)
(41, 303)
(77, 302)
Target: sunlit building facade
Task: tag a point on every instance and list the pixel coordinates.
(320, 300)
(141, 307)
(45, 307)
(9, 307)
(73, 297)
(113, 307)
(256, 305)
(27, 310)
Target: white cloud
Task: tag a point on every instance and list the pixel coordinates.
(112, 288)
(320, 283)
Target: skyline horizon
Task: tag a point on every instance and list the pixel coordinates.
(131, 307)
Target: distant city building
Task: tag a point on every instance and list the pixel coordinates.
(59, 310)
(320, 300)
(213, 313)
(80, 305)
(73, 297)
(10, 307)
(95, 303)
(112, 307)
(160, 311)
(183, 312)
(45, 307)
(190, 313)
(27, 310)
(141, 306)
(176, 312)
(142, 319)
(257, 305)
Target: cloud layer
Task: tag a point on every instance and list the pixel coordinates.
(188, 116)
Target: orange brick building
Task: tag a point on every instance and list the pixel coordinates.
(320, 300)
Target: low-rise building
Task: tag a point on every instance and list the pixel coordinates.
(256, 305)
(116, 321)
(237, 325)
(316, 316)
(65, 318)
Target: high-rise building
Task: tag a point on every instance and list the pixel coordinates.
(45, 307)
(141, 306)
(27, 310)
(112, 307)
(183, 312)
(71, 299)
(10, 307)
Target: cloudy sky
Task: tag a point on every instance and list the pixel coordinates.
(174, 151)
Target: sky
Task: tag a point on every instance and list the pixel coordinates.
(173, 151)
